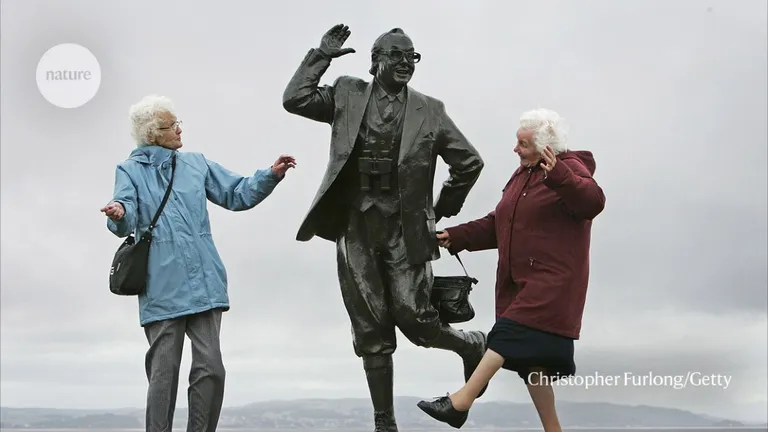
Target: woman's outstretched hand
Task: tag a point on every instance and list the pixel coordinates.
(283, 164)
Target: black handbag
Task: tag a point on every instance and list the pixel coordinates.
(128, 275)
(450, 296)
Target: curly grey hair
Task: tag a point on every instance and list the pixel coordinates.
(549, 129)
(143, 115)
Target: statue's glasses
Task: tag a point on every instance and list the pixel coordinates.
(397, 55)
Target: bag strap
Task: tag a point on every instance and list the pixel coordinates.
(462, 265)
(167, 194)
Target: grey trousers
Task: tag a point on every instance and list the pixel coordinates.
(206, 377)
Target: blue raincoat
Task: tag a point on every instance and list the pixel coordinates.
(186, 274)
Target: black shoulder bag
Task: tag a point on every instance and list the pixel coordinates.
(450, 296)
(128, 275)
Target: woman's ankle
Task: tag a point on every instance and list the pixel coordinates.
(460, 402)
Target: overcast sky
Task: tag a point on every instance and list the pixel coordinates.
(670, 97)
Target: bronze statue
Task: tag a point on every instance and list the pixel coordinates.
(376, 203)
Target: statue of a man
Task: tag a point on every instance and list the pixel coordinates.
(376, 203)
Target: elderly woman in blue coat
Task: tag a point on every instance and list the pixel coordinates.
(186, 290)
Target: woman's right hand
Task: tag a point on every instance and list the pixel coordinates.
(444, 239)
(114, 211)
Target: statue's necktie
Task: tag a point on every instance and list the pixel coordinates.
(389, 109)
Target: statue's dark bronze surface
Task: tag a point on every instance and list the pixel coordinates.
(375, 201)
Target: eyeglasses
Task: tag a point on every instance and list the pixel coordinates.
(173, 126)
(397, 55)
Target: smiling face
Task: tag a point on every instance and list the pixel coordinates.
(168, 131)
(526, 149)
(396, 61)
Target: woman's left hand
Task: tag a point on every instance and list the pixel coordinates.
(550, 160)
(282, 164)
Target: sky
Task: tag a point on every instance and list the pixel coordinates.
(669, 96)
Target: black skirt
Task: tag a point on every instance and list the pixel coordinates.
(524, 348)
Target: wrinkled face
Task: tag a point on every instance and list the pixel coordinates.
(168, 132)
(525, 148)
(396, 61)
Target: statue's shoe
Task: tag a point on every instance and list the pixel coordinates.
(384, 421)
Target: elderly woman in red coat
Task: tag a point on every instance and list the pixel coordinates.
(541, 229)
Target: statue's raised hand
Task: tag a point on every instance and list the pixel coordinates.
(333, 39)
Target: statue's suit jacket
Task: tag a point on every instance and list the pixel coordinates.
(428, 132)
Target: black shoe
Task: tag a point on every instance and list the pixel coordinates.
(384, 421)
(477, 341)
(441, 409)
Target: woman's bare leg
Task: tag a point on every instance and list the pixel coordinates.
(543, 398)
(463, 399)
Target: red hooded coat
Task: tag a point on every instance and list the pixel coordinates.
(541, 228)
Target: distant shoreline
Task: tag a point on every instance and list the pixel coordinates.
(354, 415)
(583, 428)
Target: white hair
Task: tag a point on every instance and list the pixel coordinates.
(549, 129)
(143, 115)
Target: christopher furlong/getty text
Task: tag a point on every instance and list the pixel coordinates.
(650, 379)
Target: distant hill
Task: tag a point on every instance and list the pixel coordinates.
(346, 414)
